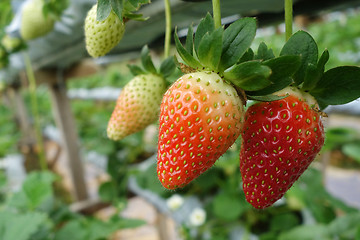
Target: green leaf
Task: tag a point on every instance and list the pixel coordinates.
(167, 67)
(134, 5)
(301, 43)
(236, 40)
(338, 85)
(189, 44)
(352, 150)
(135, 70)
(209, 49)
(284, 221)
(20, 226)
(123, 223)
(228, 207)
(247, 56)
(312, 76)
(103, 10)
(108, 191)
(146, 60)
(306, 232)
(314, 73)
(118, 7)
(38, 188)
(206, 25)
(184, 54)
(75, 229)
(323, 60)
(249, 76)
(266, 98)
(282, 69)
(264, 53)
(344, 223)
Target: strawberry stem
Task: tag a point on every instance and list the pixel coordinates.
(288, 18)
(35, 112)
(167, 29)
(216, 13)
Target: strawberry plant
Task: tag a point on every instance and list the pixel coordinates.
(105, 24)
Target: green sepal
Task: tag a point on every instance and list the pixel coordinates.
(103, 10)
(248, 56)
(135, 70)
(338, 85)
(283, 68)
(118, 7)
(147, 61)
(167, 67)
(314, 73)
(189, 44)
(236, 40)
(206, 25)
(264, 53)
(250, 76)
(184, 54)
(210, 48)
(301, 43)
(134, 5)
(266, 98)
(136, 17)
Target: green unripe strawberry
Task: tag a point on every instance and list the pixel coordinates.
(33, 22)
(137, 106)
(102, 36)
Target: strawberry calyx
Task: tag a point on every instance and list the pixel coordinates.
(125, 10)
(166, 69)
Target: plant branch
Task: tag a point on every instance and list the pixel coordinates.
(217, 13)
(35, 112)
(288, 18)
(167, 29)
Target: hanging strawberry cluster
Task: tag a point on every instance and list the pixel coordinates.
(203, 113)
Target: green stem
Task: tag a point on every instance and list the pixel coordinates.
(288, 18)
(167, 29)
(35, 112)
(216, 13)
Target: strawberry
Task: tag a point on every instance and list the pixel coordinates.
(200, 118)
(34, 23)
(137, 105)
(102, 36)
(279, 141)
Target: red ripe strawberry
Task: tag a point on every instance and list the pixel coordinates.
(137, 106)
(200, 118)
(279, 141)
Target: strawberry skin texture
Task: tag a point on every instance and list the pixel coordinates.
(200, 118)
(102, 36)
(279, 141)
(137, 106)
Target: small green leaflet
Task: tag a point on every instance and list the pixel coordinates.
(103, 10)
(301, 43)
(338, 85)
(266, 98)
(236, 40)
(118, 7)
(206, 26)
(184, 54)
(314, 73)
(147, 61)
(167, 67)
(264, 53)
(189, 45)
(249, 76)
(210, 47)
(282, 70)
